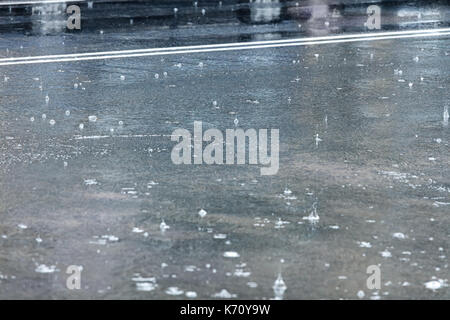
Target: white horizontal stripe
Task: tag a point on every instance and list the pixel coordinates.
(16, 3)
(201, 49)
(235, 44)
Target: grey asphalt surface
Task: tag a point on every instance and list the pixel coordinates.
(94, 197)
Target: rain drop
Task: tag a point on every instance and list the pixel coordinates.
(279, 287)
(313, 216)
(445, 115)
(163, 226)
(191, 294)
(317, 139)
(202, 213)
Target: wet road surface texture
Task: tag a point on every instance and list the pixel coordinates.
(86, 176)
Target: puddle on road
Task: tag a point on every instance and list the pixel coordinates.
(85, 167)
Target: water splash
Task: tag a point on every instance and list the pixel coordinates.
(202, 213)
(145, 286)
(436, 284)
(313, 217)
(174, 291)
(45, 269)
(163, 226)
(191, 294)
(317, 139)
(445, 116)
(231, 254)
(279, 287)
(224, 294)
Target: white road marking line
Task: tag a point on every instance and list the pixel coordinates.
(208, 48)
(233, 44)
(17, 3)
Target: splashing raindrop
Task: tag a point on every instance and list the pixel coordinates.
(279, 287)
(202, 213)
(445, 116)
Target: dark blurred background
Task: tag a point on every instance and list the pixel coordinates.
(329, 15)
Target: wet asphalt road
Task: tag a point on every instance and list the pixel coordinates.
(96, 197)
